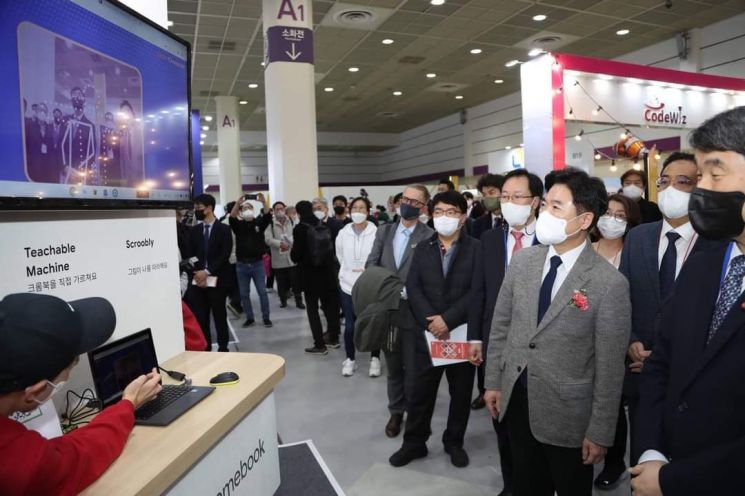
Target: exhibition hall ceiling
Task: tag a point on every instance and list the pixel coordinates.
(419, 51)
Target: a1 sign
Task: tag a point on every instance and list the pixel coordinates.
(291, 10)
(295, 13)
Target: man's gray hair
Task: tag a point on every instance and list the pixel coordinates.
(321, 200)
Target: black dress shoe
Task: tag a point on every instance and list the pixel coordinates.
(610, 477)
(478, 403)
(407, 454)
(282, 304)
(458, 456)
(299, 304)
(393, 427)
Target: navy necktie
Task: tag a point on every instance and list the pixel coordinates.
(206, 243)
(544, 297)
(667, 267)
(729, 294)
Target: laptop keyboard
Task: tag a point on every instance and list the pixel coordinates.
(168, 395)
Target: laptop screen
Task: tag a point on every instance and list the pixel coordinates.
(118, 363)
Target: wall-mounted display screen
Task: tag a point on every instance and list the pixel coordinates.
(95, 107)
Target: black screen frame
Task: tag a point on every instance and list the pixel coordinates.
(34, 203)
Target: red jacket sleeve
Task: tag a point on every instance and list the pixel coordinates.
(32, 464)
(193, 335)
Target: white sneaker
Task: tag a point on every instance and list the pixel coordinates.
(375, 367)
(348, 368)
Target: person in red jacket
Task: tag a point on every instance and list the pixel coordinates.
(41, 338)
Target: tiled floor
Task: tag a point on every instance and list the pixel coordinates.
(345, 418)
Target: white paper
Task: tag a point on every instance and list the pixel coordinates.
(211, 282)
(44, 420)
(458, 336)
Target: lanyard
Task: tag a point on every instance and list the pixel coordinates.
(725, 264)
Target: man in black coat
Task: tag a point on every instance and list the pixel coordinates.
(690, 422)
(445, 290)
(490, 187)
(210, 244)
(317, 275)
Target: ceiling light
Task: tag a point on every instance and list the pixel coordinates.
(431, 75)
(540, 17)
(635, 80)
(498, 81)
(169, 23)
(606, 77)
(387, 41)
(202, 135)
(475, 51)
(512, 63)
(205, 128)
(208, 118)
(328, 89)
(658, 156)
(598, 156)
(263, 64)
(353, 69)
(522, 145)
(508, 147)
(253, 86)
(397, 93)
(535, 52)
(622, 32)
(437, 2)
(613, 168)
(243, 102)
(698, 88)
(201, 142)
(459, 97)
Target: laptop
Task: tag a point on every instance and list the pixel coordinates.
(116, 364)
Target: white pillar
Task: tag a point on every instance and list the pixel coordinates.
(290, 100)
(228, 148)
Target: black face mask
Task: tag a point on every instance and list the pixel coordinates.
(715, 215)
(199, 214)
(339, 210)
(78, 103)
(409, 212)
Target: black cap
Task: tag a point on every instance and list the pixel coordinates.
(40, 335)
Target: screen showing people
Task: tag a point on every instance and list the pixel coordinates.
(101, 99)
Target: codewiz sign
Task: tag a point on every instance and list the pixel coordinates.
(244, 463)
(644, 103)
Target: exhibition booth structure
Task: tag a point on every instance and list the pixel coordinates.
(97, 156)
(606, 116)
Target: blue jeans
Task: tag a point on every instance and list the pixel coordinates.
(347, 306)
(247, 272)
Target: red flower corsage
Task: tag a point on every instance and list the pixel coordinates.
(579, 300)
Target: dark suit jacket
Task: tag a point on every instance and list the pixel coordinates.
(218, 256)
(649, 210)
(481, 225)
(493, 250)
(640, 265)
(692, 395)
(458, 298)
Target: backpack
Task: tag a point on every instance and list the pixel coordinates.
(320, 246)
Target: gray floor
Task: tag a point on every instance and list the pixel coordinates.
(345, 418)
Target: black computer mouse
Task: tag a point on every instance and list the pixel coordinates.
(225, 379)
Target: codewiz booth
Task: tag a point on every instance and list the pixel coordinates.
(96, 158)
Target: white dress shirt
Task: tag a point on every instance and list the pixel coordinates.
(568, 260)
(683, 246)
(654, 455)
(528, 238)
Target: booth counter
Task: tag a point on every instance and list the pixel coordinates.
(226, 444)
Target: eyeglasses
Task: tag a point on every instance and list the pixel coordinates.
(412, 202)
(451, 212)
(619, 216)
(509, 198)
(685, 181)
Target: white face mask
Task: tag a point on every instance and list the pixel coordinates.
(551, 230)
(358, 217)
(247, 214)
(516, 215)
(633, 191)
(295, 219)
(673, 203)
(424, 218)
(320, 214)
(611, 228)
(469, 203)
(446, 226)
(55, 388)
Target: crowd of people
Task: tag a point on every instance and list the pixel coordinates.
(581, 308)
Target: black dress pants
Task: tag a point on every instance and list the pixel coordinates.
(422, 395)
(617, 452)
(286, 280)
(211, 300)
(328, 297)
(542, 469)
